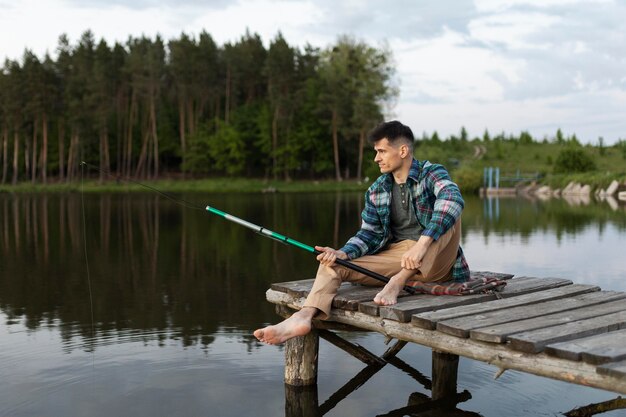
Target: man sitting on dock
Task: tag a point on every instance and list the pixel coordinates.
(411, 231)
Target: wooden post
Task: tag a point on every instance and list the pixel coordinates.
(445, 369)
(301, 359)
(301, 401)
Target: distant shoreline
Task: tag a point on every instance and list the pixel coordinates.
(211, 185)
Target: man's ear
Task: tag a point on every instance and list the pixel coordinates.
(404, 151)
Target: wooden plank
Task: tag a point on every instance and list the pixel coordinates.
(409, 305)
(534, 341)
(598, 349)
(418, 303)
(499, 332)
(615, 369)
(462, 326)
(490, 274)
(349, 297)
(519, 291)
(496, 355)
(294, 288)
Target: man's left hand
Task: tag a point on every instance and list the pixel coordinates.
(412, 259)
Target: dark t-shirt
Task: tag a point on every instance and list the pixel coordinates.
(404, 224)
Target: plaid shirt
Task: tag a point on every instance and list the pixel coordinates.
(437, 202)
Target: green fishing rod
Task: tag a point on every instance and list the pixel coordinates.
(287, 240)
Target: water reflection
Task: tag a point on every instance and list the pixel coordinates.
(179, 273)
(155, 266)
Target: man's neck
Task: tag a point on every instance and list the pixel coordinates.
(401, 174)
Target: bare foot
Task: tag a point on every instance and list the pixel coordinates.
(297, 325)
(389, 294)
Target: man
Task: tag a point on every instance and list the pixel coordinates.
(411, 230)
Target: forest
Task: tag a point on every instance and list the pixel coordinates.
(188, 108)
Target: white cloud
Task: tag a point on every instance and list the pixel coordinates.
(512, 30)
(265, 17)
(485, 6)
(451, 70)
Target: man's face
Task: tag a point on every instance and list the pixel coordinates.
(388, 157)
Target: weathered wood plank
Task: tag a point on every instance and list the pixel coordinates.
(598, 349)
(412, 304)
(518, 292)
(417, 303)
(490, 274)
(462, 326)
(294, 288)
(615, 369)
(349, 297)
(534, 341)
(497, 355)
(499, 333)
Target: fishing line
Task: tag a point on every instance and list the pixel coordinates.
(176, 200)
(82, 201)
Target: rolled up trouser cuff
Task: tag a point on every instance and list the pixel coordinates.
(322, 302)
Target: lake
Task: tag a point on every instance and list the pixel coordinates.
(152, 313)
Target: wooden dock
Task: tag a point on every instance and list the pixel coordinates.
(544, 326)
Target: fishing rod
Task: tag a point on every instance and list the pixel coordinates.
(258, 229)
(287, 240)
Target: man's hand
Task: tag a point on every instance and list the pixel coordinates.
(329, 255)
(412, 259)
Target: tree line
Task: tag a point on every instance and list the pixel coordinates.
(189, 107)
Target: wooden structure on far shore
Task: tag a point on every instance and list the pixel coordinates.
(544, 326)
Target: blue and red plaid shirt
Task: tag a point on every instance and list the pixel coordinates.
(437, 202)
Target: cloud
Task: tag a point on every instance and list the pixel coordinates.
(564, 49)
(404, 19)
(146, 4)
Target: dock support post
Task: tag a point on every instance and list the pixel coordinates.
(445, 370)
(301, 359)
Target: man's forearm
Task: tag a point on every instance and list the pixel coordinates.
(425, 241)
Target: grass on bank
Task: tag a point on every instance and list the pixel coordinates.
(206, 185)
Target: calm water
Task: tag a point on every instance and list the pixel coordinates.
(176, 293)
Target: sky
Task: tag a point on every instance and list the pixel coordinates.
(501, 65)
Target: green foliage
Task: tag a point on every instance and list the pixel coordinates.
(221, 151)
(148, 106)
(468, 178)
(572, 160)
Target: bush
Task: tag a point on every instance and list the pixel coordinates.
(573, 160)
(468, 179)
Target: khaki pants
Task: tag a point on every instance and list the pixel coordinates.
(436, 266)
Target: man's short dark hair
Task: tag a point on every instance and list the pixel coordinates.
(394, 131)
